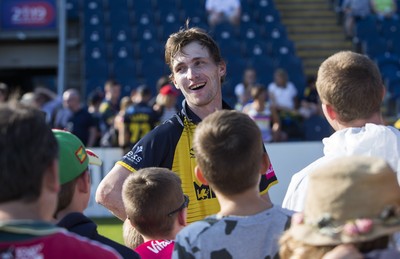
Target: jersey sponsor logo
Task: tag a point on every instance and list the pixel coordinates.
(135, 156)
(203, 192)
(33, 251)
(158, 246)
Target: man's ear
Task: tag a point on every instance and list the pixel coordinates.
(50, 179)
(222, 69)
(199, 175)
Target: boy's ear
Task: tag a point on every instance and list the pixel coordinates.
(182, 216)
(329, 111)
(83, 183)
(199, 175)
(264, 163)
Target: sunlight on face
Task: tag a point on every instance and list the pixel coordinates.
(197, 75)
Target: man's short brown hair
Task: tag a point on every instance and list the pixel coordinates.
(177, 41)
(352, 84)
(149, 195)
(229, 148)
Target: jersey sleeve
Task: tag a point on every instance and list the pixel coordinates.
(268, 179)
(155, 149)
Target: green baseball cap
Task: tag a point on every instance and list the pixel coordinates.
(74, 158)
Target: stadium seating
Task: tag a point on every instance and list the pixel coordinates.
(124, 39)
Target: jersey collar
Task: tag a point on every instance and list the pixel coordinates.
(192, 117)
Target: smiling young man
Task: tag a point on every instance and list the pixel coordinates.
(198, 70)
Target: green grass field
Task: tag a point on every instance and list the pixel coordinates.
(110, 227)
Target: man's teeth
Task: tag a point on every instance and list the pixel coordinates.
(197, 86)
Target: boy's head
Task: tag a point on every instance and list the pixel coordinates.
(229, 151)
(177, 41)
(74, 161)
(27, 150)
(351, 83)
(153, 200)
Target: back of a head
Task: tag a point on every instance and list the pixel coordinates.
(149, 195)
(229, 148)
(27, 149)
(352, 84)
(177, 41)
(350, 200)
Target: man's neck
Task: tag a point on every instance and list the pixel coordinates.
(244, 204)
(204, 111)
(374, 119)
(19, 210)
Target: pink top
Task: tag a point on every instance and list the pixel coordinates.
(156, 249)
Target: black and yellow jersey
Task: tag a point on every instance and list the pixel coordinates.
(169, 145)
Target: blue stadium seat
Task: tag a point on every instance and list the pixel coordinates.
(274, 31)
(94, 35)
(389, 65)
(290, 63)
(151, 70)
(120, 20)
(122, 35)
(95, 50)
(389, 28)
(93, 7)
(122, 50)
(125, 68)
(144, 17)
(264, 67)
(96, 67)
(255, 48)
(281, 46)
(374, 47)
(365, 29)
(167, 29)
(267, 15)
(140, 5)
(119, 5)
(73, 8)
(146, 33)
(149, 50)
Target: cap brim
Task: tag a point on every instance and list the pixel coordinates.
(93, 158)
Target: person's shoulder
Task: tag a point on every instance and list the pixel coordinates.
(196, 229)
(77, 246)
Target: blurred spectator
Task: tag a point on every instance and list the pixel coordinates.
(109, 108)
(76, 119)
(354, 10)
(47, 101)
(265, 117)
(310, 103)
(139, 118)
(223, 10)
(242, 90)
(28, 99)
(4, 92)
(283, 97)
(166, 102)
(94, 100)
(282, 92)
(126, 102)
(384, 8)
